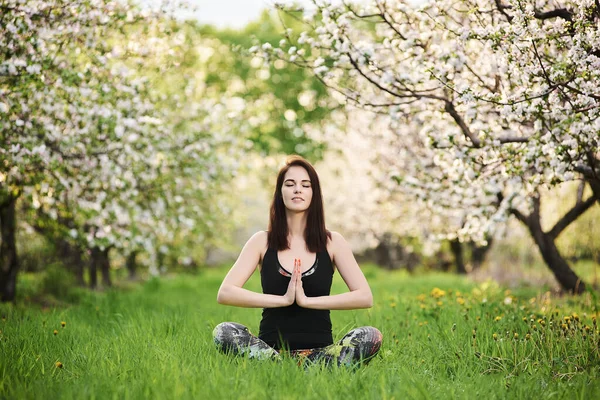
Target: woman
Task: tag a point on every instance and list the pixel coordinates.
(297, 257)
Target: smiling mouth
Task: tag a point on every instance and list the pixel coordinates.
(297, 198)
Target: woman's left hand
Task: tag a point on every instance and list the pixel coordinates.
(301, 299)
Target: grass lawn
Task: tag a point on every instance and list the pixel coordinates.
(444, 337)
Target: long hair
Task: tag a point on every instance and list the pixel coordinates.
(315, 234)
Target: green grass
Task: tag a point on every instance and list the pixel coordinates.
(155, 341)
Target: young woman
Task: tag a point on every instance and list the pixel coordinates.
(297, 258)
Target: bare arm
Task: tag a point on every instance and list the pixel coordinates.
(232, 292)
(359, 296)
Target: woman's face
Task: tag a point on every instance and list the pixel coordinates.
(297, 189)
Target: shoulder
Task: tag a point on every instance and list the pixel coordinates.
(259, 239)
(336, 242)
(336, 238)
(257, 244)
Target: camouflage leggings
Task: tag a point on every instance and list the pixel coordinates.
(356, 347)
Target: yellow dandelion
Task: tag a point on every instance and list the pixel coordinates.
(437, 293)
(534, 327)
(63, 323)
(55, 332)
(439, 303)
(542, 322)
(527, 337)
(460, 300)
(421, 297)
(498, 318)
(524, 319)
(567, 319)
(564, 326)
(58, 364)
(392, 304)
(495, 336)
(575, 317)
(516, 335)
(587, 328)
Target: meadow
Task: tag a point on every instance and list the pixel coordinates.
(444, 337)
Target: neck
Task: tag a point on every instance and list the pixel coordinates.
(296, 223)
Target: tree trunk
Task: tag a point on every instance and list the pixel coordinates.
(457, 252)
(382, 255)
(595, 185)
(9, 263)
(131, 264)
(100, 262)
(105, 268)
(72, 256)
(94, 267)
(567, 278)
(545, 242)
(478, 254)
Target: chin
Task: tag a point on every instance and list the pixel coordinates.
(296, 208)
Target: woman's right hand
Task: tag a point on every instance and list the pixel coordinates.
(290, 294)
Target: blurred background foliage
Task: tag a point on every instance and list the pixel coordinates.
(207, 62)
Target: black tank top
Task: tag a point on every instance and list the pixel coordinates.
(294, 327)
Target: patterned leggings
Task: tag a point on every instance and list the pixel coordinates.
(357, 347)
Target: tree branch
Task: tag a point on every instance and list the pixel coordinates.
(449, 107)
(501, 7)
(571, 216)
(586, 171)
(513, 139)
(520, 216)
(559, 12)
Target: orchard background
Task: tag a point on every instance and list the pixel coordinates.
(458, 147)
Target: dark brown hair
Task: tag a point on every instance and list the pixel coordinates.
(315, 234)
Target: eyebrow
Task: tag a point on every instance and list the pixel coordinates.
(293, 180)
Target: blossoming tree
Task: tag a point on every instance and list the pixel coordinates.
(488, 100)
(84, 142)
(59, 103)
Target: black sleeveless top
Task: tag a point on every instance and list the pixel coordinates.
(294, 327)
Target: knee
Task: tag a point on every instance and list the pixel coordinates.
(374, 333)
(364, 334)
(370, 332)
(225, 330)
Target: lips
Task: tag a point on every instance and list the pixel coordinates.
(297, 198)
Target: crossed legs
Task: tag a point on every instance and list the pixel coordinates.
(357, 346)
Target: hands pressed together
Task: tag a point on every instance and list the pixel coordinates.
(295, 291)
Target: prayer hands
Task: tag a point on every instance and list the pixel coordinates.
(295, 291)
(301, 298)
